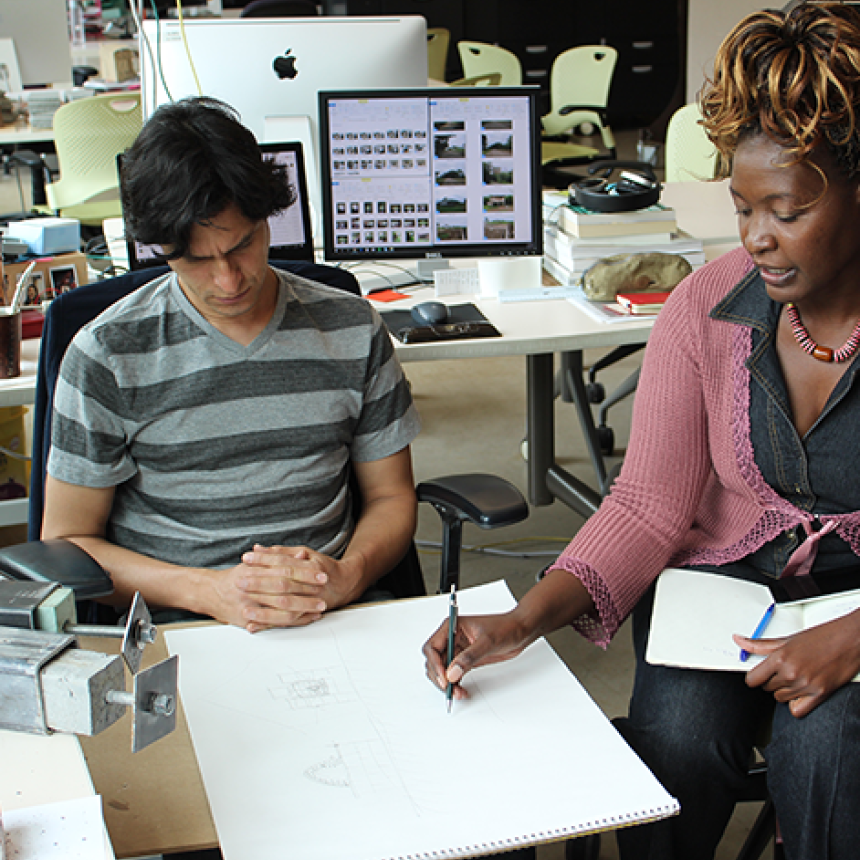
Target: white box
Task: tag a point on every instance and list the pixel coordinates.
(48, 235)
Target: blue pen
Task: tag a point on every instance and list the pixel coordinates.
(760, 628)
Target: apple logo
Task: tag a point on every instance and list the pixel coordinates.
(285, 66)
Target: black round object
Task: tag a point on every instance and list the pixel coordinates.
(636, 187)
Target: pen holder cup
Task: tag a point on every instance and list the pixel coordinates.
(10, 344)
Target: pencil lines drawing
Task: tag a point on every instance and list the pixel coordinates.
(317, 688)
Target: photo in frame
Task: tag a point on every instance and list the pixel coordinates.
(63, 279)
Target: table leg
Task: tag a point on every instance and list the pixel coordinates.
(540, 425)
(546, 479)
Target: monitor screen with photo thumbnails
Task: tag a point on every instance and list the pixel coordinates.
(290, 232)
(431, 173)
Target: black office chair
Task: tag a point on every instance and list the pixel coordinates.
(280, 9)
(486, 500)
(763, 831)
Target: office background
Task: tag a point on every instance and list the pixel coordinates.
(472, 410)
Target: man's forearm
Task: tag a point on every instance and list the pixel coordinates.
(381, 538)
(160, 583)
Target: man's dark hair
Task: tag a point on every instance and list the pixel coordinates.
(191, 160)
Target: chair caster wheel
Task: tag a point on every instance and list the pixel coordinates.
(606, 439)
(595, 392)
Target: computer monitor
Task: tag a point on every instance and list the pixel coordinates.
(271, 70)
(40, 32)
(290, 233)
(443, 172)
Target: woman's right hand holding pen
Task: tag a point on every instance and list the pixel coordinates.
(484, 639)
(480, 640)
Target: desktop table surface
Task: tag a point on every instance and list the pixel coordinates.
(20, 132)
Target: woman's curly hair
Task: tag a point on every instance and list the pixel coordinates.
(793, 76)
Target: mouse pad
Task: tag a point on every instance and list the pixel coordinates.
(464, 321)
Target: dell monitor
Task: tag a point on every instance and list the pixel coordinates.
(271, 70)
(290, 233)
(430, 173)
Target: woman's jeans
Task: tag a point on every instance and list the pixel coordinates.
(696, 731)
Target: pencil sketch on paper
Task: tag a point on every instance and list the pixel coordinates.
(365, 768)
(312, 689)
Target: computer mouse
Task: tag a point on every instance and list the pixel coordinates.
(430, 313)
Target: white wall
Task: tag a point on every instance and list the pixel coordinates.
(708, 24)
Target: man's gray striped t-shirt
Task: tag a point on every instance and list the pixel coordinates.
(213, 446)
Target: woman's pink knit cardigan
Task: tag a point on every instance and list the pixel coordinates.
(689, 491)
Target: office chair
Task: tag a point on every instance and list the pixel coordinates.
(478, 58)
(280, 9)
(579, 93)
(690, 155)
(490, 79)
(486, 500)
(438, 39)
(88, 136)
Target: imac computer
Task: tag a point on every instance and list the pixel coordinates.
(271, 70)
(429, 174)
(39, 30)
(290, 233)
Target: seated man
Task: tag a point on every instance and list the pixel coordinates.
(205, 427)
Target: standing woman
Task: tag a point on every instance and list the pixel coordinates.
(744, 460)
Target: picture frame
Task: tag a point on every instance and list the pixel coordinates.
(63, 279)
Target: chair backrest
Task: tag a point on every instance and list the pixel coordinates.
(438, 39)
(280, 9)
(690, 156)
(88, 136)
(579, 89)
(478, 58)
(490, 79)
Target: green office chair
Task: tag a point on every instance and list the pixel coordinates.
(88, 136)
(579, 93)
(491, 79)
(690, 155)
(438, 39)
(478, 58)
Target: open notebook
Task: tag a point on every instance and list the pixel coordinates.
(328, 742)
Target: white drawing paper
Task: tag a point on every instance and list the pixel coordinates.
(328, 741)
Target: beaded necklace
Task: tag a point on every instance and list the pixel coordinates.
(822, 353)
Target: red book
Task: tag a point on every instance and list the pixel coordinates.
(642, 303)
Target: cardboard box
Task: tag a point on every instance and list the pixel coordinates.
(52, 276)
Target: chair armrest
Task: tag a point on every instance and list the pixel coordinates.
(485, 500)
(58, 561)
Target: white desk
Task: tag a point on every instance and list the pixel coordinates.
(537, 330)
(20, 133)
(42, 769)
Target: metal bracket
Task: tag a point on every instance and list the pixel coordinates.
(153, 703)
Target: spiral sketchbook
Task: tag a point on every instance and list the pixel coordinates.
(328, 741)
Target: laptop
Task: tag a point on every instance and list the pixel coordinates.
(291, 233)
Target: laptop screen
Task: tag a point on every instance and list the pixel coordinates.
(291, 234)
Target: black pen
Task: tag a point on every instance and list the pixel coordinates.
(452, 632)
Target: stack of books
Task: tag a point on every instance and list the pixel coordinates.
(42, 105)
(576, 238)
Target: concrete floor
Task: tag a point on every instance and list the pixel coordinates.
(473, 414)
